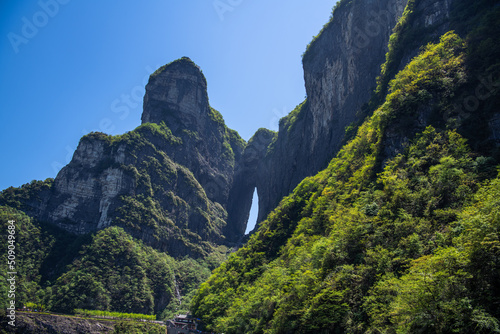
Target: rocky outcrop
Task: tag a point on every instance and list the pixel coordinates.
(177, 95)
(249, 173)
(85, 189)
(429, 20)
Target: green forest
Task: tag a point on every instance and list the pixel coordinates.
(107, 271)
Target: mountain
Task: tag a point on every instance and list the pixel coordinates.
(134, 222)
(377, 197)
(399, 233)
(166, 182)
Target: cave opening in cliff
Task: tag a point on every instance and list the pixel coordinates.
(254, 211)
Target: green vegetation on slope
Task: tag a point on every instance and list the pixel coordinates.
(287, 122)
(132, 327)
(361, 248)
(18, 198)
(109, 271)
(168, 201)
(118, 315)
(115, 273)
(158, 204)
(31, 247)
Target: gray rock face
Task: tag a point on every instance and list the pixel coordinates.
(248, 176)
(177, 95)
(85, 189)
(341, 66)
(430, 20)
(47, 324)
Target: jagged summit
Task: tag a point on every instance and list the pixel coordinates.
(177, 95)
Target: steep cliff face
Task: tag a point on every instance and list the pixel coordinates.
(177, 95)
(340, 70)
(84, 190)
(341, 65)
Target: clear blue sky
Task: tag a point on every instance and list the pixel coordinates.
(68, 67)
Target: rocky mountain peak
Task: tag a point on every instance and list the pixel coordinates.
(177, 95)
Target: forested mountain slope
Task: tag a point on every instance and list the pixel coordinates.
(400, 233)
